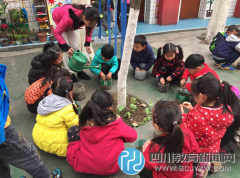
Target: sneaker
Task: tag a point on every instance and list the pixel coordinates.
(226, 67)
(83, 75)
(217, 64)
(115, 77)
(73, 78)
(57, 173)
(106, 32)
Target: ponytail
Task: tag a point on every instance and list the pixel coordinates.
(54, 72)
(74, 106)
(180, 50)
(159, 53)
(167, 115)
(98, 110)
(228, 98)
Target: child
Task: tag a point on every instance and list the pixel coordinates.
(56, 114)
(102, 133)
(119, 12)
(14, 149)
(169, 65)
(110, 64)
(42, 87)
(221, 36)
(217, 107)
(142, 54)
(175, 139)
(195, 66)
(52, 56)
(66, 20)
(227, 52)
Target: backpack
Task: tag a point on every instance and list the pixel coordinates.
(213, 44)
(4, 102)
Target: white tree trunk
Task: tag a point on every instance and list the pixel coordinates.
(82, 34)
(127, 51)
(218, 18)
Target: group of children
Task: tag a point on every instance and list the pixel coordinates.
(98, 134)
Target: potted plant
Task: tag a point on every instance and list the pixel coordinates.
(17, 16)
(42, 35)
(11, 38)
(209, 11)
(3, 6)
(18, 38)
(25, 38)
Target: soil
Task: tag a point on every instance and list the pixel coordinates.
(183, 94)
(137, 116)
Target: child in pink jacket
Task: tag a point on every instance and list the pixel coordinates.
(67, 19)
(96, 147)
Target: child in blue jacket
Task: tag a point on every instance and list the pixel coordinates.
(227, 52)
(142, 55)
(14, 149)
(110, 63)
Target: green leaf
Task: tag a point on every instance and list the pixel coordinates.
(133, 106)
(145, 119)
(147, 111)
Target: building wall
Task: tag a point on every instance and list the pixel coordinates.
(204, 7)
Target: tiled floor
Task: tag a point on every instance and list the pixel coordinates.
(143, 28)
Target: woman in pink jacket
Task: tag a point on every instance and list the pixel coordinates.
(102, 136)
(67, 19)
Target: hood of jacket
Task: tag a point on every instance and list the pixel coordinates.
(96, 133)
(36, 62)
(232, 38)
(52, 103)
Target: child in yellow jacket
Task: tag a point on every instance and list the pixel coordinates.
(56, 114)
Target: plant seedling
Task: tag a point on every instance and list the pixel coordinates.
(133, 100)
(120, 109)
(128, 115)
(133, 107)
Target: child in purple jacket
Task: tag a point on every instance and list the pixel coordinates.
(142, 55)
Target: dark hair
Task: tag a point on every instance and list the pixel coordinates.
(140, 39)
(91, 13)
(238, 34)
(53, 73)
(209, 85)
(97, 109)
(194, 60)
(61, 87)
(170, 48)
(107, 51)
(233, 27)
(51, 52)
(165, 115)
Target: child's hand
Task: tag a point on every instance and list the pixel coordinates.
(137, 69)
(183, 82)
(169, 78)
(187, 105)
(162, 81)
(102, 75)
(181, 108)
(146, 145)
(142, 70)
(88, 49)
(109, 75)
(70, 52)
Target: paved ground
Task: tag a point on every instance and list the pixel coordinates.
(23, 121)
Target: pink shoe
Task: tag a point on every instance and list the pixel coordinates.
(202, 170)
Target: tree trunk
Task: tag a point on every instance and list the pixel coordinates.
(218, 19)
(82, 34)
(127, 51)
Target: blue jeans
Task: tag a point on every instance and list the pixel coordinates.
(21, 154)
(230, 59)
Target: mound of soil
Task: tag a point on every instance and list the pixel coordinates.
(133, 119)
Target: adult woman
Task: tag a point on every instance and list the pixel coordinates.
(67, 19)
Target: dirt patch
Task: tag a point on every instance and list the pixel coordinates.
(136, 113)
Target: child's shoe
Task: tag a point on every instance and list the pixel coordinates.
(217, 64)
(226, 67)
(115, 77)
(57, 173)
(83, 75)
(107, 33)
(202, 170)
(74, 78)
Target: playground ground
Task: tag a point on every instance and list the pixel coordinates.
(23, 121)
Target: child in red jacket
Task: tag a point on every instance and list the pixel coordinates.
(96, 148)
(195, 66)
(175, 139)
(169, 65)
(217, 107)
